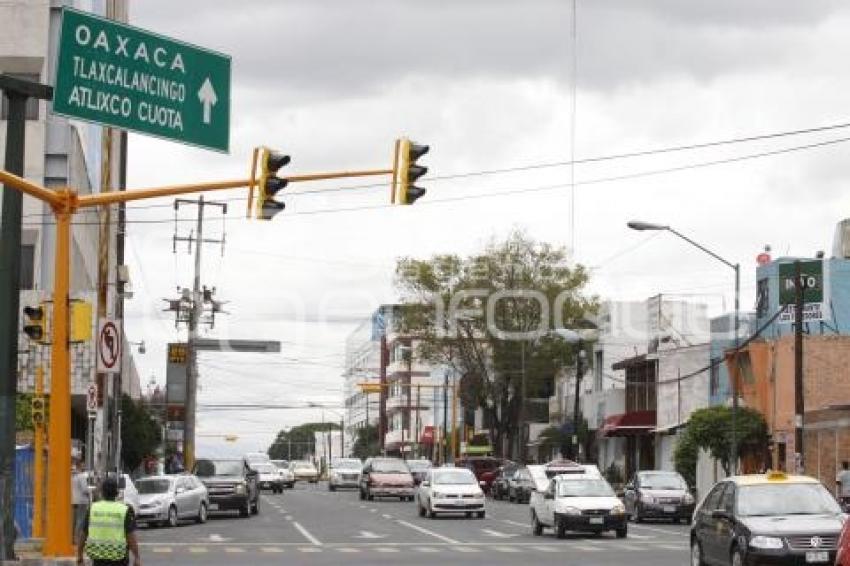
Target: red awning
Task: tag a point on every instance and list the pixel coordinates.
(629, 424)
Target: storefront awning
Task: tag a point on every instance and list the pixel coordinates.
(634, 423)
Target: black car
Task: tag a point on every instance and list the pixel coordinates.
(500, 486)
(520, 486)
(231, 485)
(766, 519)
(658, 495)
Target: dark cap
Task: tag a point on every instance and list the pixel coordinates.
(109, 488)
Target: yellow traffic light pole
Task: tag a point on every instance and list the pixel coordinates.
(65, 203)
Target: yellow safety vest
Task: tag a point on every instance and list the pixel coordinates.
(106, 537)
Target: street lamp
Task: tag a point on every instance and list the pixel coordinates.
(643, 226)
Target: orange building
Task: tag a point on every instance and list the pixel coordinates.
(766, 383)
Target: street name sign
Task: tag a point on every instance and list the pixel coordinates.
(123, 76)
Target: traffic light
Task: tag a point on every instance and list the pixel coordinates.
(36, 325)
(409, 171)
(270, 184)
(37, 409)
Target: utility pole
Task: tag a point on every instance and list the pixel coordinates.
(522, 393)
(577, 402)
(799, 402)
(194, 321)
(445, 416)
(17, 91)
(106, 385)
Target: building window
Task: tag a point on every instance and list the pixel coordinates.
(27, 267)
(31, 111)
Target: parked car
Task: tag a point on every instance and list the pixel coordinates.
(500, 486)
(521, 486)
(485, 468)
(770, 518)
(231, 485)
(658, 495)
(450, 490)
(419, 469)
(268, 477)
(164, 500)
(583, 502)
(344, 472)
(303, 470)
(386, 477)
(287, 478)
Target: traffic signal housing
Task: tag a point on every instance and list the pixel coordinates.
(35, 325)
(409, 171)
(270, 184)
(37, 409)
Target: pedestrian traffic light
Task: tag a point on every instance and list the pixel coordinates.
(36, 325)
(409, 171)
(37, 409)
(270, 184)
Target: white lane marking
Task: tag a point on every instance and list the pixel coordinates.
(218, 538)
(497, 534)
(505, 549)
(641, 537)
(466, 549)
(625, 546)
(546, 548)
(161, 549)
(423, 530)
(369, 535)
(289, 518)
(671, 546)
(385, 516)
(272, 549)
(307, 534)
(373, 510)
(515, 523)
(348, 550)
(281, 511)
(657, 530)
(586, 548)
(386, 549)
(197, 549)
(425, 549)
(310, 549)
(233, 549)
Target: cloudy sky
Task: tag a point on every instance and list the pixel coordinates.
(488, 84)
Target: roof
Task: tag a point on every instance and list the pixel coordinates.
(629, 362)
(629, 424)
(772, 478)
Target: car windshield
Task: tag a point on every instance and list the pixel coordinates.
(390, 467)
(303, 465)
(662, 481)
(347, 465)
(145, 487)
(454, 477)
(264, 468)
(585, 488)
(209, 468)
(785, 499)
(418, 465)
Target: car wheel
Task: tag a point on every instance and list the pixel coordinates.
(362, 495)
(623, 533)
(369, 496)
(172, 516)
(430, 512)
(202, 514)
(421, 509)
(480, 514)
(536, 526)
(737, 557)
(560, 528)
(696, 554)
(331, 487)
(245, 510)
(636, 515)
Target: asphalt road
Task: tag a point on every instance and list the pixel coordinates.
(310, 525)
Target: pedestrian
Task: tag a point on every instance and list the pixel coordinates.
(80, 498)
(109, 530)
(843, 481)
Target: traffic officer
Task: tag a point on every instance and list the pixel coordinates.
(109, 530)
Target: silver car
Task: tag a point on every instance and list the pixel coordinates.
(345, 472)
(165, 500)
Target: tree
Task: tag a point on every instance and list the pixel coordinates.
(366, 444)
(23, 412)
(298, 442)
(710, 429)
(141, 434)
(517, 285)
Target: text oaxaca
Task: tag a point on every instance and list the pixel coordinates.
(140, 69)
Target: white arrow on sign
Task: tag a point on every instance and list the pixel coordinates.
(369, 534)
(208, 98)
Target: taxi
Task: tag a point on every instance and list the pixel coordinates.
(771, 518)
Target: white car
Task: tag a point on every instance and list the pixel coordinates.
(450, 490)
(304, 471)
(164, 500)
(345, 472)
(127, 493)
(578, 502)
(286, 475)
(268, 477)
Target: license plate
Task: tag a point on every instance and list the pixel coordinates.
(597, 520)
(669, 509)
(213, 506)
(816, 557)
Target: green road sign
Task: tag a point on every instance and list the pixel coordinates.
(122, 76)
(811, 275)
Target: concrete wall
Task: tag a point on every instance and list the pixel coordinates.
(679, 398)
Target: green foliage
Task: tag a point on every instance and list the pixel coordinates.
(297, 442)
(685, 457)
(366, 445)
(711, 430)
(141, 434)
(491, 366)
(23, 412)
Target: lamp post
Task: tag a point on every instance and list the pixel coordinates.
(577, 337)
(644, 226)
